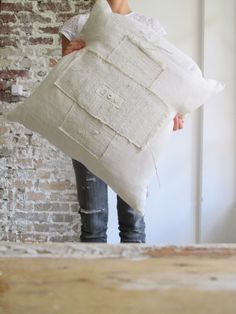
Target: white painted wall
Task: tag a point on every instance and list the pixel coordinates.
(196, 200)
(219, 141)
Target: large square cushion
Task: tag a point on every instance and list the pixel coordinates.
(111, 104)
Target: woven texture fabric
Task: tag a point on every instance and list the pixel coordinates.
(111, 105)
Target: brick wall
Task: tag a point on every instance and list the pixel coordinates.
(38, 198)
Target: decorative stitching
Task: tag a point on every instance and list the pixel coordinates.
(83, 134)
(151, 133)
(135, 43)
(109, 95)
(133, 79)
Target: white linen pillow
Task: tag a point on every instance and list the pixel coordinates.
(111, 104)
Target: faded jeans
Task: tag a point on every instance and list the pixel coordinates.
(93, 201)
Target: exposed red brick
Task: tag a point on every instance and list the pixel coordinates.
(63, 197)
(35, 196)
(61, 217)
(4, 85)
(83, 5)
(31, 166)
(31, 238)
(3, 130)
(42, 174)
(49, 227)
(58, 207)
(16, 7)
(62, 17)
(74, 207)
(54, 6)
(63, 185)
(6, 18)
(24, 206)
(63, 238)
(6, 41)
(9, 30)
(24, 162)
(7, 97)
(22, 184)
(10, 74)
(49, 30)
(40, 41)
(27, 17)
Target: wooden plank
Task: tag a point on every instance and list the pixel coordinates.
(125, 278)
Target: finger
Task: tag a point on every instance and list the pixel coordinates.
(181, 125)
(71, 49)
(175, 124)
(67, 51)
(74, 47)
(82, 42)
(76, 43)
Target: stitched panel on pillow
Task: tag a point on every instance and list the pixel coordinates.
(87, 131)
(134, 62)
(113, 98)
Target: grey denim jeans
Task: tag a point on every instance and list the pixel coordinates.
(93, 201)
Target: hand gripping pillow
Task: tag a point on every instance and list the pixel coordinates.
(111, 104)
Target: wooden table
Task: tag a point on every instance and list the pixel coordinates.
(101, 278)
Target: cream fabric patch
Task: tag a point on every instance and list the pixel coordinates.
(111, 105)
(120, 104)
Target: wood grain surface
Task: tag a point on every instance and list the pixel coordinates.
(125, 278)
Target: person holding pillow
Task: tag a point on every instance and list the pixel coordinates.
(91, 190)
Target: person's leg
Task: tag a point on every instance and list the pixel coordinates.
(93, 201)
(131, 223)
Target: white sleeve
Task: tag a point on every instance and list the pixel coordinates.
(73, 26)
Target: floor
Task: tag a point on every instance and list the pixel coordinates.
(124, 278)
